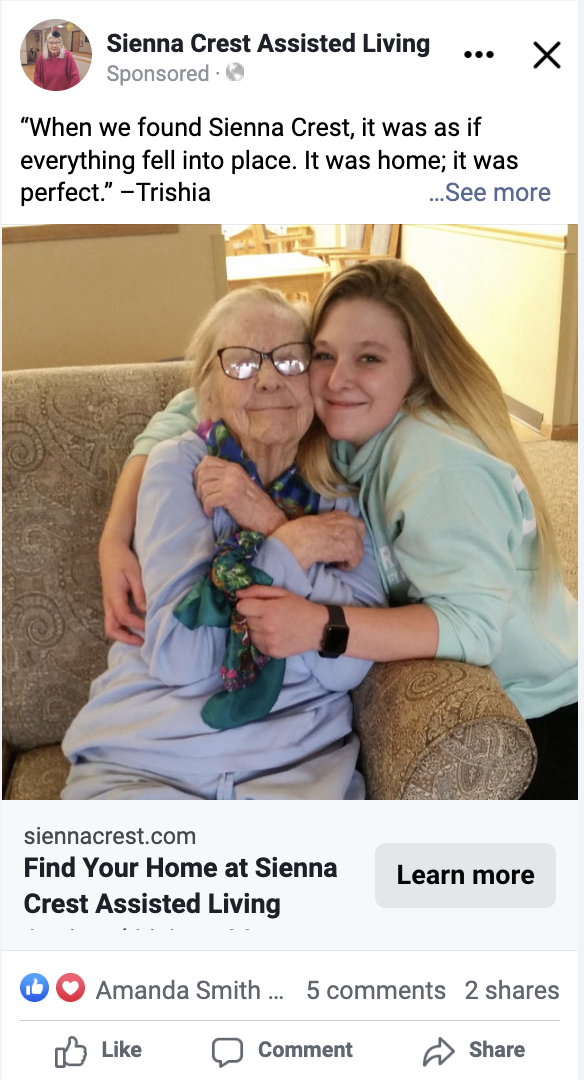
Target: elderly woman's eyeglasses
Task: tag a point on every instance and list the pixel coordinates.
(240, 362)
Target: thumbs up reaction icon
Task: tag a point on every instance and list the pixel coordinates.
(34, 987)
(71, 1054)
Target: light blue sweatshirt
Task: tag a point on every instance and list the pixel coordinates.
(454, 527)
(176, 419)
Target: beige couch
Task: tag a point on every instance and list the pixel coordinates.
(429, 730)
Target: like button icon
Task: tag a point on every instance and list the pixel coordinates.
(71, 1054)
(34, 987)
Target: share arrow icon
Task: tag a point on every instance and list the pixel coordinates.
(442, 1051)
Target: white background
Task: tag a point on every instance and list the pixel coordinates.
(526, 111)
(315, 913)
(385, 1035)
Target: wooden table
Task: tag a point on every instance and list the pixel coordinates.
(289, 272)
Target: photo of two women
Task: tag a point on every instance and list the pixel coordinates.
(290, 512)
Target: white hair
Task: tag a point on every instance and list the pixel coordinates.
(46, 47)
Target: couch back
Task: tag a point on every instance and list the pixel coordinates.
(66, 434)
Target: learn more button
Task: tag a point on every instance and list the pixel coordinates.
(465, 875)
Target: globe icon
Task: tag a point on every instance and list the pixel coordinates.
(235, 72)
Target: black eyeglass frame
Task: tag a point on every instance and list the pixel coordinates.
(264, 356)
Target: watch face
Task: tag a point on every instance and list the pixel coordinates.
(336, 639)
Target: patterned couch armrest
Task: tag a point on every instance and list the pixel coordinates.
(440, 729)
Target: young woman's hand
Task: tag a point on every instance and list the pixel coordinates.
(281, 623)
(335, 538)
(121, 579)
(226, 484)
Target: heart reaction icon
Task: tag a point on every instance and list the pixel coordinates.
(70, 987)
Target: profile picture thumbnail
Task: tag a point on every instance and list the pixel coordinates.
(55, 55)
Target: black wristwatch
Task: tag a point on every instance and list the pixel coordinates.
(336, 635)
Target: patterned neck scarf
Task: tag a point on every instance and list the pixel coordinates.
(211, 601)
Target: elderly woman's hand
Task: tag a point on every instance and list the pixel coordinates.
(336, 538)
(226, 484)
(281, 623)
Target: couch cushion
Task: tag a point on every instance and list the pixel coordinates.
(556, 467)
(38, 774)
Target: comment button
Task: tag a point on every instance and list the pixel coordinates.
(465, 875)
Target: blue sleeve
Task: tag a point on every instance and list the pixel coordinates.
(176, 419)
(458, 548)
(175, 543)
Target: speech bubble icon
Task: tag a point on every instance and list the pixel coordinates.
(227, 1051)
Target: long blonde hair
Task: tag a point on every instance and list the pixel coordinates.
(451, 380)
(313, 457)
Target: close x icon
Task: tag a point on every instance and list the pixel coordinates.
(547, 54)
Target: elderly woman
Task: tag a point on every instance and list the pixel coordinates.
(197, 712)
(55, 69)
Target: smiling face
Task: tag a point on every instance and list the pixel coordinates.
(269, 413)
(54, 46)
(361, 369)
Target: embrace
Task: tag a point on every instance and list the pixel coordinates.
(322, 498)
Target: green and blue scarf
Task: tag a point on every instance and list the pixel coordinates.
(251, 680)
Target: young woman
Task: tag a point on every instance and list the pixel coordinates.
(463, 541)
